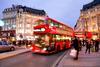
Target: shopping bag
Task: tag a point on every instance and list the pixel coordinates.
(92, 49)
(73, 53)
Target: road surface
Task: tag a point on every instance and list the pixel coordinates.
(30, 60)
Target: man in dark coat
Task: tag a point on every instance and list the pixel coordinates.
(75, 45)
(97, 45)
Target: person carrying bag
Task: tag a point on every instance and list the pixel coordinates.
(75, 51)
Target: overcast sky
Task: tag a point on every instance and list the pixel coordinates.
(66, 11)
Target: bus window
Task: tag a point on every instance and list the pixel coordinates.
(41, 40)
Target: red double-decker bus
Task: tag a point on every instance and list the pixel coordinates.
(51, 36)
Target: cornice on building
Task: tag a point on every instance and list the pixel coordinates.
(90, 5)
(8, 18)
(18, 8)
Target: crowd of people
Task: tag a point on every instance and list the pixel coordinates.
(90, 44)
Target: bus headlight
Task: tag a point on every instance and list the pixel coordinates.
(44, 48)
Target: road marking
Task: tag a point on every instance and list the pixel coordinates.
(59, 59)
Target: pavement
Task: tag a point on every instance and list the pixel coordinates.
(85, 60)
(18, 50)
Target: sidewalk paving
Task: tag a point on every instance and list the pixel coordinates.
(85, 60)
(18, 50)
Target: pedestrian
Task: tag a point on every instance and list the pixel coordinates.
(80, 45)
(97, 45)
(88, 46)
(19, 43)
(75, 45)
(83, 42)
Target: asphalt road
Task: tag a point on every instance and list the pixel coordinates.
(30, 60)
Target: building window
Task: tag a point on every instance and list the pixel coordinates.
(21, 31)
(28, 25)
(13, 26)
(27, 31)
(20, 25)
(9, 28)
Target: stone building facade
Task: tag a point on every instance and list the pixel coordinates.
(90, 19)
(19, 21)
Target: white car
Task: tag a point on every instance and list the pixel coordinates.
(4, 46)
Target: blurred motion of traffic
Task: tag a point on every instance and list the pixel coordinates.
(32, 33)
